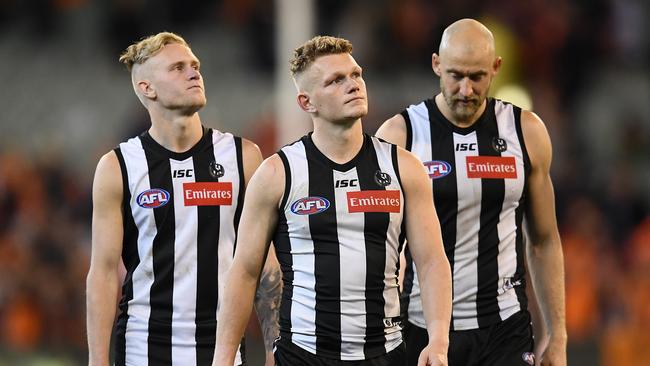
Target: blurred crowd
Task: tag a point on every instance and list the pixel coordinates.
(584, 64)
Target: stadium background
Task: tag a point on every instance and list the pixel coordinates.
(583, 65)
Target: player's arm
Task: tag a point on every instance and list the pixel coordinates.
(544, 249)
(425, 243)
(393, 130)
(267, 297)
(102, 283)
(258, 221)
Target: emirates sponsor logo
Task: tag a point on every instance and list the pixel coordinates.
(207, 193)
(491, 167)
(374, 201)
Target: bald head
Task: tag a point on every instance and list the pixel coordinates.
(467, 38)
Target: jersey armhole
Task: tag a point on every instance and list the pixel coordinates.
(409, 130)
(126, 192)
(287, 179)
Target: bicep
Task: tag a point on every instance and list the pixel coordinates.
(422, 226)
(541, 210)
(107, 224)
(259, 217)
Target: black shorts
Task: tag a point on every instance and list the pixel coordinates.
(509, 342)
(288, 354)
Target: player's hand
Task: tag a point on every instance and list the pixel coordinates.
(270, 360)
(433, 356)
(554, 354)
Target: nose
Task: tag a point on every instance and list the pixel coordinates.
(354, 85)
(466, 87)
(194, 74)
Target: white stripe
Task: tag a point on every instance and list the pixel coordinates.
(507, 226)
(137, 327)
(352, 256)
(465, 276)
(303, 315)
(185, 271)
(226, 154)
(391, 284)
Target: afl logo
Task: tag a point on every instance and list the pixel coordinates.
(153, 198)
(437, 168)
(310, 205)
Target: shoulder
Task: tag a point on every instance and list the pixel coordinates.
(393, 130)
(108, 176)
(269, 180)
(536, 137)
(251, 150)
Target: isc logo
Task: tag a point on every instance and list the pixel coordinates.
(181, 173)
(310, 205)
(464, 146)
(437, 168)
(153, 198)
(342, 183)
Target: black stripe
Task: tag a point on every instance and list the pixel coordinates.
(493, 193)
(409, 277)
(242, 185)
(375, 235)
(162, 289)
(402, 234)
(287, 178)
(131, 260)
(323, 228)
(519, 215)
(409, 130)
(445, 189)
(283, 253)
(208, 227)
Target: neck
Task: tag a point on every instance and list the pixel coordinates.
(339, 142)
(176, 133)
(455, 120)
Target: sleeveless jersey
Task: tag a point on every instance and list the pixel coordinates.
(181, 211)
(479, 177)
(338, 241)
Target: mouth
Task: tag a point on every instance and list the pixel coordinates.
(195, 87)
(355, 99)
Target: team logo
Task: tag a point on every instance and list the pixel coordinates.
(499, 144)
(216, 170)
(392, 322)
(310, 205)
(529, 358)
(153, 198)
(381, 178)
(508, 284)
(437, 168)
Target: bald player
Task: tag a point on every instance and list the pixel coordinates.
(488, 161)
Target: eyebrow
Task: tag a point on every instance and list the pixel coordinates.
(468, 74)
(192, 63)
(336, 74)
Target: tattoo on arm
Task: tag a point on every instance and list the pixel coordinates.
(267, 304)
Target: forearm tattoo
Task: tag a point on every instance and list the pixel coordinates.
(267, 304)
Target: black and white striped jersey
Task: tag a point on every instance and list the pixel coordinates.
(181, 211)
(338, 241)
(479, 177)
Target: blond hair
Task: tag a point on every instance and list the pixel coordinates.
(141, 51)
(306, 54)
